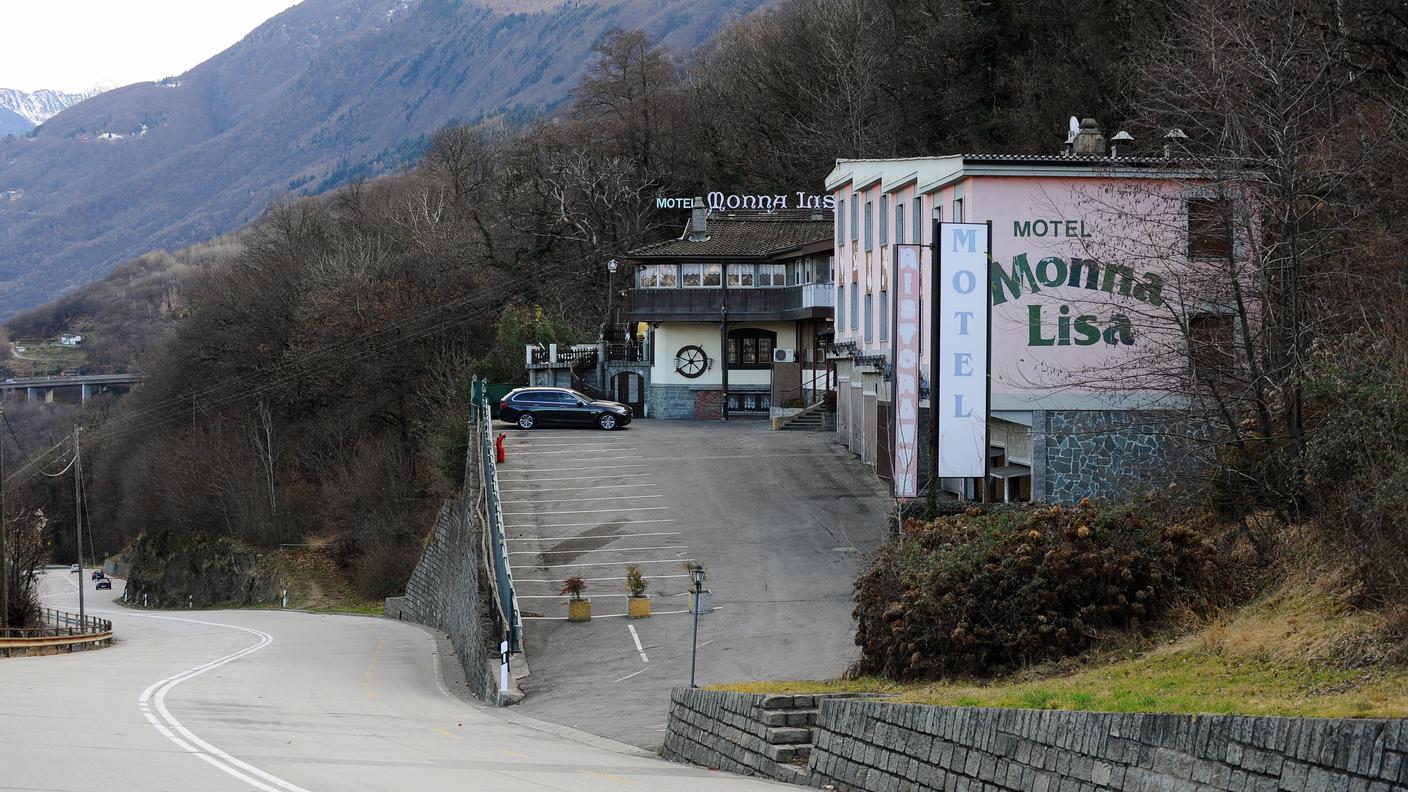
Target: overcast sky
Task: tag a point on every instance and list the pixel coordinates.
(72, 45)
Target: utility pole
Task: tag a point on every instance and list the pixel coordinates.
(78, 514)
(4, 541)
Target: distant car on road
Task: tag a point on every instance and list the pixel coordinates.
(103, 583)
(73, 567)
(533, 407)
(97, 575)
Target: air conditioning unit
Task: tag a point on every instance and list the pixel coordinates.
(784, 355)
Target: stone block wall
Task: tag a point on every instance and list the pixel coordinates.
(1104, 454)
(669, 401)
(444, 593)
(741, 733)
(875, 746)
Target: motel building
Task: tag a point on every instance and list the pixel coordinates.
(736, 314)
(1092, 254)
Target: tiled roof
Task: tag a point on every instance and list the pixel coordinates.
(748, 234)
(1079, 159)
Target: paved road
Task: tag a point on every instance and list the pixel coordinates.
(281, 702)
(780, 520)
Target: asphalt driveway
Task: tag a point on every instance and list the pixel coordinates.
(780, 520)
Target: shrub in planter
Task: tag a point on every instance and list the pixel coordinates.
(638, 605)
(978, 593)
(578, 607)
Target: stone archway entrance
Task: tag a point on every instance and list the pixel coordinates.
(628, 388)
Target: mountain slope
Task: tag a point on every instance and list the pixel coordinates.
(301, 103)
(12, 123)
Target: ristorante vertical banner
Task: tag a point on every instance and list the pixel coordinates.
(904, 351)
(962, 363)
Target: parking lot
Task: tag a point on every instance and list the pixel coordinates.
(780, 520)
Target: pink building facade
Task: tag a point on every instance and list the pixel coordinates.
(1092, 279)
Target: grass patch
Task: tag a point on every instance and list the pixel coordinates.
(315, 583)
(1289, 654)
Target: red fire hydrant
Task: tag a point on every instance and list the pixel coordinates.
(499, 447)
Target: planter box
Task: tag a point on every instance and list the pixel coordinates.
(638, 607)
(706, 601)
(579, 610)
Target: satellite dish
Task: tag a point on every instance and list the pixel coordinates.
(1075, 127)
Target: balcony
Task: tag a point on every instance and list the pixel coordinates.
(782, 303)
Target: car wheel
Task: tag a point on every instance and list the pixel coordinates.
(526, 421)
(606, 421)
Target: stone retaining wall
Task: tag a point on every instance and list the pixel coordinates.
(741, 733)
(881, 747)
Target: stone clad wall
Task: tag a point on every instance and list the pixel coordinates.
(741, 733)
(876, 746)
(1102, 454)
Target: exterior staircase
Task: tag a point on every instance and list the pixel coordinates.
(817, 419)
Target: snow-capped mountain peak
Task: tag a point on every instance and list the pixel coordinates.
(41, 105)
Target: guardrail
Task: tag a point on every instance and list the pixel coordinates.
(496, 547)
(57, 629)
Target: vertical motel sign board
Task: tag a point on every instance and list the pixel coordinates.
(961, 363)
(904, 351)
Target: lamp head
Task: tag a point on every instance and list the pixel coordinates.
(611, 265)
(697, 573)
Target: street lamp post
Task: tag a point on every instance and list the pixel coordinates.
(697, 573)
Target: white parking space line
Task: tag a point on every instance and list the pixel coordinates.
(565, 597)
(628, 676)
(599, 563)
(637, 484)
(597, 579)
(636, 637)
(591, 511)
(570, 451)
(576, 478)
(611, 615)
(582, 500)
(591, 536)
(616, 523)
(605, 550)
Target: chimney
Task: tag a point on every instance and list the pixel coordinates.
(1088, 141)
(699, 222)
(1122, 144)
(1175, 144)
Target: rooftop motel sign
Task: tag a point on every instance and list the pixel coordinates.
(718, 202)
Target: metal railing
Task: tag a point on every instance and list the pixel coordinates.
(505, 597)
(60, 624)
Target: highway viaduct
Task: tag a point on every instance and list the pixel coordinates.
(82, 385)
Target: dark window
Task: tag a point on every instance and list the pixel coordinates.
(750, 347)
(869, 223)
(899, 223)
(884, 316)
(841, 306)
(869, 317)
(884, 220)
(1210, 338)
(918, 220)
(855, 213)
(841, 221)
(1209, 228)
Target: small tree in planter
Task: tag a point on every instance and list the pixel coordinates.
(638, 606)
(579, 608)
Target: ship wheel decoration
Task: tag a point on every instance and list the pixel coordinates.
(691, 361)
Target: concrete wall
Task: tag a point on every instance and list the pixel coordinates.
(870, 745)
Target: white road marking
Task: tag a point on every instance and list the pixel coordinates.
(564, 596)
(590, 524)
(537, 453)
(590, 536)
(636, 637)
(573, 478)
(579, 489)
(583, 500)
(653, 614)
(603, 550)
(597, 580)
(604, 563)
(628, 676)
(152, 703)
(592, 511)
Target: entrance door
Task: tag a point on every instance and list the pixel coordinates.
(628, 388)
